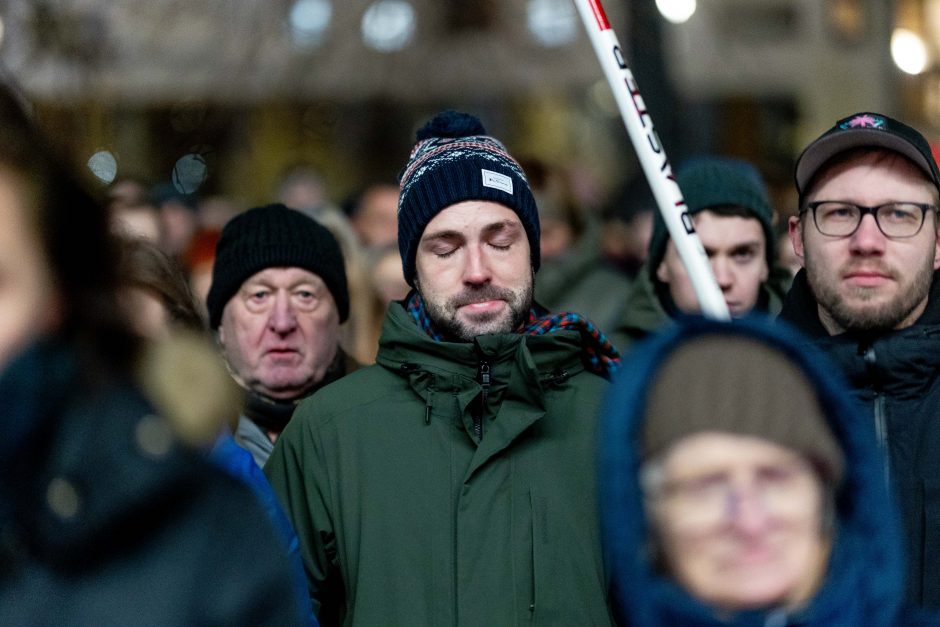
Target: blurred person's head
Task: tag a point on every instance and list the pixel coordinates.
(137, 222)
(302, 188)
(155, 293)
(179, 219)
(628, 225)
(198, 260)
(58, 258)
(385, 272)
(127, 191)
(468, 229)
(732, 216)
(374, 215)
(739, 482)
(215, 212)
(132, 214)
(737, 487)
(561, 221)
(277, 300)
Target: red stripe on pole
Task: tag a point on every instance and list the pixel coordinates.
(599, 14)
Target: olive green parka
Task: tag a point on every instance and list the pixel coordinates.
(407, 517)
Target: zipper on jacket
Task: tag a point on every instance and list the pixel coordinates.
(427, 406)
(881, 429)
(483, 377)
(881, 420)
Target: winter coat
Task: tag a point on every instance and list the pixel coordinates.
(407, 517)
(105, 519)
(238, 463)
(896, 375)
(864, 580)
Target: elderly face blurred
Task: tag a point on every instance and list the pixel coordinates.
(29, 302)
(738, 520)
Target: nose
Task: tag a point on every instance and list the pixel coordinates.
(282, 319)
(723, 273)
(747, 512)
(476, 268)
(868, 238)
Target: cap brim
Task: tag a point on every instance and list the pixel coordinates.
(825, 148)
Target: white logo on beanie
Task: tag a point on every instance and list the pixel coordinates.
(496, 181)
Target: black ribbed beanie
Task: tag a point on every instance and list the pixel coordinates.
(274, 236)
(453, 161)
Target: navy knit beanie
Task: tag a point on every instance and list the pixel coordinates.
(274, 237)
(453, 161)
(710, 182)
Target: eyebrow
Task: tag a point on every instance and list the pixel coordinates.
(737, 247)
(504, 225)
(489, 229)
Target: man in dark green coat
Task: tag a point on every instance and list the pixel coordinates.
(454, 481)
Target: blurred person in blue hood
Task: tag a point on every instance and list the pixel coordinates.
(740, 487)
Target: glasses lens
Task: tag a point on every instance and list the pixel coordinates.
(703, 505)
(836, 218)
(900, 219)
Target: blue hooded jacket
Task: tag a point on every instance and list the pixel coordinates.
(864, 581)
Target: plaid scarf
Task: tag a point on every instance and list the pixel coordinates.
(598, 354)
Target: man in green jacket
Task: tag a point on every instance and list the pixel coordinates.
(733, 217)
(453, 482)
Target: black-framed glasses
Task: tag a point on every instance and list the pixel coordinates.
(837, 218)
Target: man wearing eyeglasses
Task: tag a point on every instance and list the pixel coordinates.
(867, 237)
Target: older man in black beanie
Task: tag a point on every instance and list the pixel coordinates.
(452, 483)
(277, 299)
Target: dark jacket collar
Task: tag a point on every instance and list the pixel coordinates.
(273, 414)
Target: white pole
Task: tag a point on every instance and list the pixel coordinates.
(653, 159)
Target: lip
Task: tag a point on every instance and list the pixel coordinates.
(485, 306)
(281, 352)
(867, 278)
(755, 557)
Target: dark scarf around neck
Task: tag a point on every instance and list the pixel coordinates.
(273, 414)
(598, 354)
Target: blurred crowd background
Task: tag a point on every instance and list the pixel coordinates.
(186, 113)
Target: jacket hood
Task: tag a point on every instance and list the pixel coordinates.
(647, 312)
(864, 580)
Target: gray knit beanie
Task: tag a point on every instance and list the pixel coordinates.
(453, 161)
(737, 385)
(710, 182)
(274, 236)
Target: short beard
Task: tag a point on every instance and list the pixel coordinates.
(443, 315)
(852, 317)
